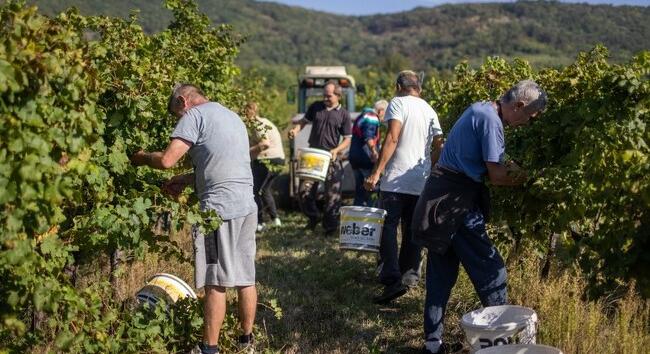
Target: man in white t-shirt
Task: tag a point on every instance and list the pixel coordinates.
(412, 144)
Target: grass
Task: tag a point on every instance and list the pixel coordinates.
(325, 299)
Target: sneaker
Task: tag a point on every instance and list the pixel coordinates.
(246, 344)
(277, 222)
(206, 349)
(260, 227)
(410, 278)
(390, 293)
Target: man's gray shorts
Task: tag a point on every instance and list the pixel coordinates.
(226, 257)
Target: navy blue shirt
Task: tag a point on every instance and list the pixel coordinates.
(364, 129)
(476, 138)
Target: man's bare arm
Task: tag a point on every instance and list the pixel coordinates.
(389, 146)
(387, 151)
(293, 132)
(259, 147)
(162, 160)
(501, 175)
(342, 146)
(436, 148)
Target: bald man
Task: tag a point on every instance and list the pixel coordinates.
(217, 141)
(331, 131)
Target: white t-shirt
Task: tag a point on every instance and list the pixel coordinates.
(410, 165)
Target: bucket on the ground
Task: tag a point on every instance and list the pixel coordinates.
(520, 349)
(165, 287)
(361, 228)
(499, 325)
(313, 164)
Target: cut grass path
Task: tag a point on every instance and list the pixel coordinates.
(326, 296)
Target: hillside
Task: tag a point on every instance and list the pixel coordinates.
(546, 33)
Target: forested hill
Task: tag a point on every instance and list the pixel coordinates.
(546, 33)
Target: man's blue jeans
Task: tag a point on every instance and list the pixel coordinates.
(482, 262)
(362, 197)
(406, 267)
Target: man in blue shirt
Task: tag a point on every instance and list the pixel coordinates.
(364, 150)
(449, 218)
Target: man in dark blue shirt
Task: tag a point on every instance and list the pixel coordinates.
(364, 150)
(475, 148)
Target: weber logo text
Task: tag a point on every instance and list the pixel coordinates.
(355, 229)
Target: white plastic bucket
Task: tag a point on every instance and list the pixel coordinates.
(313, 164)
(361, 228)
(165, 287)
(499, 325)
(520, 349)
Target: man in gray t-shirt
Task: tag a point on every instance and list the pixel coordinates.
(222, 167)
(217, 142)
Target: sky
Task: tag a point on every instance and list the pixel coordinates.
(368, 7)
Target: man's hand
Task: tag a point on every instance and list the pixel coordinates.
(162, 160)
(294, 132)
(371, 181)
(140, 158)
(258, 148)
(340, 148)
(264, 145)
(374, 156)
(175, 185)
(518, 175)
(335, 154)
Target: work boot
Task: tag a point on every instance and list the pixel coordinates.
(261, 227)
(390, 293)
(311, 225)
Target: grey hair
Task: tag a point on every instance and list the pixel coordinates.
(381, 104)
(183, 89)
(408, 79)
(528, 92)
